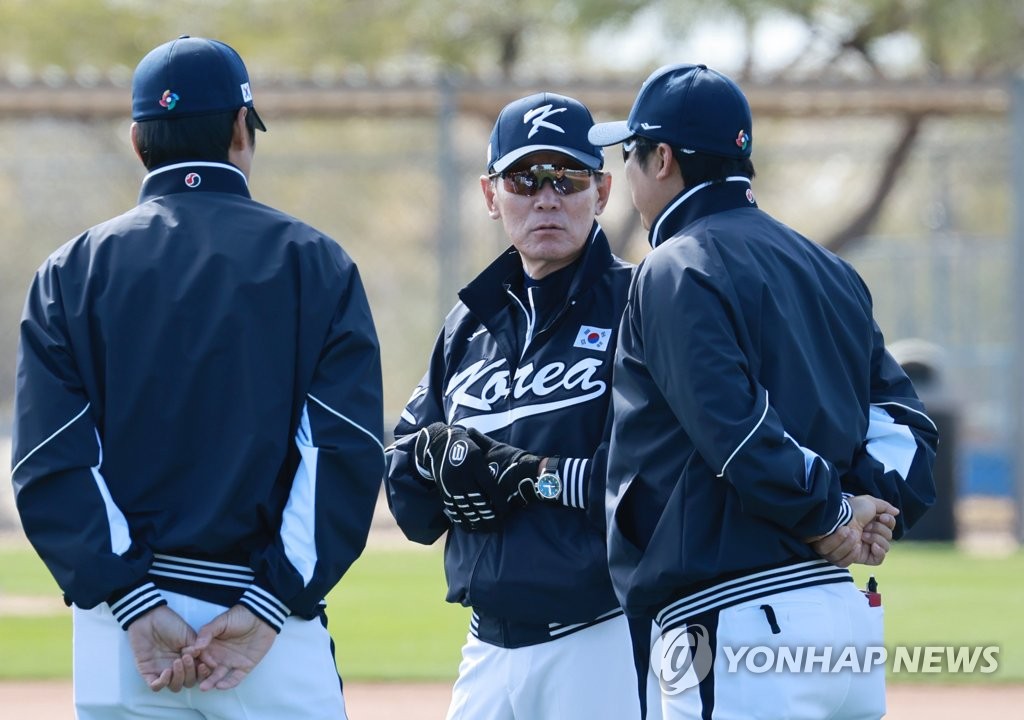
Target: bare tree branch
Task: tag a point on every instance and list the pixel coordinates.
(510, 47)
(862, 222)
(814, 34)
(747, 68)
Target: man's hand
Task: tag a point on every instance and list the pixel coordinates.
(513, 472)
(865, 539)
(158, 640)
(447, 455)
(230, 646)
(878, 534)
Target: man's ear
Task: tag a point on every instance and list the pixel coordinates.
(604, 192)
(133, 137)
(489, 190)
(240, 139)
(666, 161)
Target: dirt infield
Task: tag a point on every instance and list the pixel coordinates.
(428, 701)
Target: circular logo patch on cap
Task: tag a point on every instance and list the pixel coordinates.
(742, 138)
(193, 180)
(169, 99)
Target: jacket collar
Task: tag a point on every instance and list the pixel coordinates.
(193, 177)
(699, 201)
(486, 294)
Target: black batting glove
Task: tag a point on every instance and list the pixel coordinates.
(424, 438)
(447, 455)
(512, 470)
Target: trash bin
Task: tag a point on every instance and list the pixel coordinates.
(924, 364)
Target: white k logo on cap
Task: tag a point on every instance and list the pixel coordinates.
(539, 118)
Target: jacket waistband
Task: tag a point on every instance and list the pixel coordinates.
(201, 571)
(217, 582)
(750, 587)
(510, 634)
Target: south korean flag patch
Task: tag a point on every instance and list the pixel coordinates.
(592, 338)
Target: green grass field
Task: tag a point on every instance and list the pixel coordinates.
(390, 622)
(935, 595)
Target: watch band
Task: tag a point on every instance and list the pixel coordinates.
(548, 484)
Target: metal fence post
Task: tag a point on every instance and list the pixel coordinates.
(449, 240)
(1017, 296)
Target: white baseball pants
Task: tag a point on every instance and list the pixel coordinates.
(762, 666)
(583, 676)
(297, 679)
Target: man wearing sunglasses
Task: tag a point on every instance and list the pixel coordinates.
(761, 429)
(501, 446)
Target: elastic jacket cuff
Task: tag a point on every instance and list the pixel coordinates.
(130, 604)
(845, 516)
(575, 474)
(265, 606)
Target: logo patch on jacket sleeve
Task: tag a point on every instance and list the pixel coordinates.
(592, 338)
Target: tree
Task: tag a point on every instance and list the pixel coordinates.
(288, 37)
(485, 38)
(279, 37)
(849, 40)
(872, 41)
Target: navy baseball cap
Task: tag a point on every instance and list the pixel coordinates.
(544, 121)
(191, 76)
(690, 107)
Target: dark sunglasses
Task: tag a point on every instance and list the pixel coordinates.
(529, 182)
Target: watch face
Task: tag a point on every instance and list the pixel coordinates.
(549, 486)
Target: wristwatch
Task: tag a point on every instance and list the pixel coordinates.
(549, 483)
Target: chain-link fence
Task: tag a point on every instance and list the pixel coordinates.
(416, 225)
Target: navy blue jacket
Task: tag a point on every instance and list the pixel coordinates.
(752, 388)
(198, 404)
(548, 564)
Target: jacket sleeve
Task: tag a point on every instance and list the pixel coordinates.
(326, 518)
(584, 478)
(695, 358)
(65, 506)
(414, 501)
(593, 486)
(895, 461)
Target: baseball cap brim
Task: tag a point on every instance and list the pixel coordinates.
(503, 163)
(610, 133)
(258, 119)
